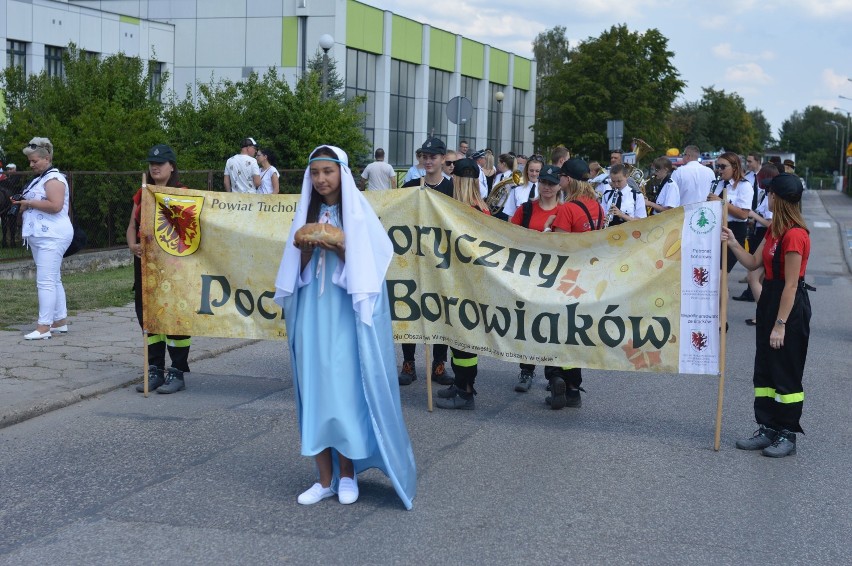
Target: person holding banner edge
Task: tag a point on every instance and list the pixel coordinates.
(783, 320)
(340, 338)
(162, 170)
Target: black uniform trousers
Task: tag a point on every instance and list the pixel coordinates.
(740, 230)
(778, 392)
(178, 346)
(439, 352)
(465, 367)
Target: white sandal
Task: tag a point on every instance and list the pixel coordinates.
(315, 494)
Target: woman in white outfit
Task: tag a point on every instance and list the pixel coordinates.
(268, 172)
(47, 231)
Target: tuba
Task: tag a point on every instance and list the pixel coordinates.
(634, 172)
(496, 199)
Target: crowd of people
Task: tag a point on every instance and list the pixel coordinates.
(334, 297)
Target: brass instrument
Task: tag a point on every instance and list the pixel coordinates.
(634, 172)
(499, 194)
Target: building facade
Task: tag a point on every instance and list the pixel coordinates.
(407, 71)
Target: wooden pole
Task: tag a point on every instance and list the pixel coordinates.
(723, 323)
(144, 321)
(428, 379)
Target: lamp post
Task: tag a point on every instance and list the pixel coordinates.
(326, 42)
(838, 127)
(499, 96)
(845, 141)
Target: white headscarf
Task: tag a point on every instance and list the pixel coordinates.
(368, 247)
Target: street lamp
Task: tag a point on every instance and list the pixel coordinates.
(499, 96)
(845, 140)
(326, 42)
(838, 127)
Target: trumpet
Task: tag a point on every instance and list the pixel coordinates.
(499, 194)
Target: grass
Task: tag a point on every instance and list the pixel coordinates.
(84, 291)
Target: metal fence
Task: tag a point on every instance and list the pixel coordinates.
(101, 203)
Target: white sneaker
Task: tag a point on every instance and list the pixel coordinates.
(36, 335)
(347, 491)
(315, 494)
(60, 329)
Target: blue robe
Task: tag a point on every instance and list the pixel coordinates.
(345, 380)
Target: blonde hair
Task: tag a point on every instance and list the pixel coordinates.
(466, 190)
(785, 215)
(489, 164)
(43, 148)
(578, 189)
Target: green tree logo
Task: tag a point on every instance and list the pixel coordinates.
(703, 220)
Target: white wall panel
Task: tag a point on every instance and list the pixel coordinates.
(221, 43)
(221, 9)
(90, 33)
(171, 9)
(109, 35)
(265, 8)
(20, 24)
(184, 53)
(129, 38)
(160, 44)
(263, 44)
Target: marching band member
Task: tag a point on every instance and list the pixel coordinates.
(536, 215)
(526, 191)
(668, 194)
(624, 204)
(740, 193)
(762, 217)
(460, 395)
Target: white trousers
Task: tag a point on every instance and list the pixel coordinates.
(47, 253)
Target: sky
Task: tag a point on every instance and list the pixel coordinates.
(780, 56)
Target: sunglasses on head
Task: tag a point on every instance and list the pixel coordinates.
(37, 146)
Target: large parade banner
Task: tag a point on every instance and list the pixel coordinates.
(642, 296)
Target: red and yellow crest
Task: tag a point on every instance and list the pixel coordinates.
(177, 225)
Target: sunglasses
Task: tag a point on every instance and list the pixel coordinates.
(38, 146)
(721, 166)
(449, 163)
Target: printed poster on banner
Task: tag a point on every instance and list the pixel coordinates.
(641, 296)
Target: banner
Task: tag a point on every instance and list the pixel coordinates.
(642, 296)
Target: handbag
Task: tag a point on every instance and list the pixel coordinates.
(78, 241)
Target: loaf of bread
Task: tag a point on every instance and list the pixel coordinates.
(314, 233)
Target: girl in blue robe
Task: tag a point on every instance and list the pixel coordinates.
(340, 338)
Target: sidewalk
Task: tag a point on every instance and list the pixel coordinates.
(103, 349)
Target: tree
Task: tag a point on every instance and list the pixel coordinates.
(765, 139)
(619, 75)
(812, 140)
(551, 51)
(207, 130)
(725, 123)
(336, 86)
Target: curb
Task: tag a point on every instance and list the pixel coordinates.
(843, 233)
(110, 382)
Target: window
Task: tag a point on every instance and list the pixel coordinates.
(518, 121)
(16, 54)
(155, 77)
(470, 90)
(401, 125)
(439, 95)
(53, 65)
(361, 81)
(494, 113)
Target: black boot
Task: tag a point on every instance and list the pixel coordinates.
(762, 437)
(155, 379)
(746, 296)
(174, 382)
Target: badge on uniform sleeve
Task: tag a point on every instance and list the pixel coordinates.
(177, 225)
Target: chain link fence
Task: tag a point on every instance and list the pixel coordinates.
(101, 203)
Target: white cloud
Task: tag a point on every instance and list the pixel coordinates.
(747, 74)
(836, 83)
(829, 8)
(725, 51)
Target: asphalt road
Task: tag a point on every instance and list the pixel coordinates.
(211, 475)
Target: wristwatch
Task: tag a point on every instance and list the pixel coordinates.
(780, 322)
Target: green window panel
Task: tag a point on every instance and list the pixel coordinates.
(365, 27)
(499, 67)
(407, 40)
(523, 67)
(442, 50)
(473, 59)
(129, 20)
(289, 41)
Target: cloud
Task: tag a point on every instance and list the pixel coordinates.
(725, 51)
(747, 74)
(829, 8)
(834, 82)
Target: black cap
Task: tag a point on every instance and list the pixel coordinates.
(478, 154)
(433, 146)
(161, 153)
(790, 163)
(248, 142)
(466, 167)
(786, 186)
(575, 168)
(550, 173)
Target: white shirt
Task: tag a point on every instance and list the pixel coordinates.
(763, 205)
(40, 224)
(483, 184)
(241, 168)
(413, 173)
(669, 195)
(501, 176)
(694, 181)
(739, 196)
(266, 187)
(630, 206)
(517, 197)
(379, 175)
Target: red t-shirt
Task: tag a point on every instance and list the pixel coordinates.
(572, 218)
(539, 216)
(794, 240)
